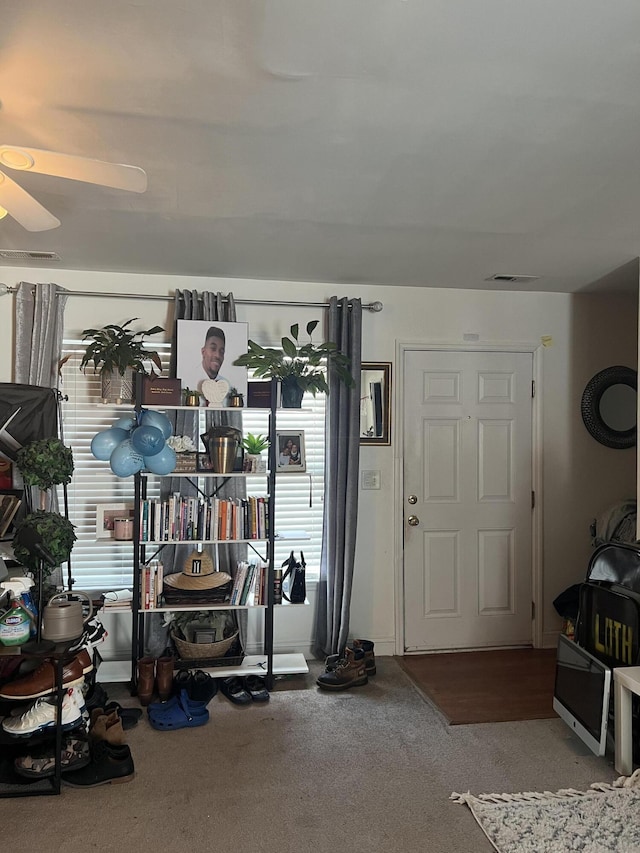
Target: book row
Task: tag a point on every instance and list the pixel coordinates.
(248, 585)
(189, 518)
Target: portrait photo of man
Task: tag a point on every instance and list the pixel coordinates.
(206, 350)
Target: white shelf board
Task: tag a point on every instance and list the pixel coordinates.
(283, 664)
(185, 608)
(204, 474)
(200, 541)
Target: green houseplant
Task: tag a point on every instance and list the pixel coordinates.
(118, 352)
(255, 444)
(51, 528)
(299, 367)
(45, 463)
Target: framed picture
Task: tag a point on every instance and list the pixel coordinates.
(105, 515)
(206, 350)
(203, 462)
(375, 402)
(290, 446)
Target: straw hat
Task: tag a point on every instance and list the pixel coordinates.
(197, 573)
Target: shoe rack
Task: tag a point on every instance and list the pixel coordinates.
(16, 786)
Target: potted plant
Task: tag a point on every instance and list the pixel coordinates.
(52, 530)
(235, 399)
(119, 352)
(253, 446)
(45, 463)
(298, 367)
(191, 397)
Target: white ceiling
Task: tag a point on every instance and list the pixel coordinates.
(415, 142)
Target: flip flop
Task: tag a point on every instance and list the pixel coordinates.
(178, 716)
(256, 688)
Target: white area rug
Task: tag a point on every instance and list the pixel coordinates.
(604, 819)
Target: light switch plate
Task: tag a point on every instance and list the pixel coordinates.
(370, 479)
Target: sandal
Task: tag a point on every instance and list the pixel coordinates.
(182, 715)
(234, 690)
(256, 688)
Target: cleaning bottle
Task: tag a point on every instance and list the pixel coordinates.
(22, 587)
(15, 624)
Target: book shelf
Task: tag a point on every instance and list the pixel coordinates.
(266, 664)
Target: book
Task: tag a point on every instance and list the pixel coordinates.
(238, 584)
(9, 506)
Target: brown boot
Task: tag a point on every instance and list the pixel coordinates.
(164, 677)
(107, 727)
(146, 677)
(369, 656)
(349, 672)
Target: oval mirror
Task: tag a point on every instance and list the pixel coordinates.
(609, 407)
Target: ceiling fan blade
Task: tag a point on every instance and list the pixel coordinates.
(116, 175)
(24, 208)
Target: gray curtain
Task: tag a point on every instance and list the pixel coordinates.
(191, 305)
(39, 326)
(39, 317)
(342, 454)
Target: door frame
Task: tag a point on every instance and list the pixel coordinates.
(537, 587)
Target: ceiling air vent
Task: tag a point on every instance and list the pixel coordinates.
(511, 279)
(14, 255)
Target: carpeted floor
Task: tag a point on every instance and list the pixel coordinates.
(486, 686)
(368, 770)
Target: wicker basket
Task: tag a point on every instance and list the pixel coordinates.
(196, 651)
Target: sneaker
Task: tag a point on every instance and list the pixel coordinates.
(42, 763)
(348, 672)
(42, 715)
(110, 763)
(94, 633)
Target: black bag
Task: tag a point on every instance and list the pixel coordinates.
(297, 584)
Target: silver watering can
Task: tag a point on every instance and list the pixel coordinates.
(63, 619)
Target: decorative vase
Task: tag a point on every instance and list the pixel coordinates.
(191, 398)
(235, 401)
(117, 388)
(291, 393)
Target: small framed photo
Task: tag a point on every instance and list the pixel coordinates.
(106, 515)
(203, 462)
(290, 448)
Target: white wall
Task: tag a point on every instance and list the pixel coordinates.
(581, 478)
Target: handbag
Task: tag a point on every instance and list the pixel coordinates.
(295, 571)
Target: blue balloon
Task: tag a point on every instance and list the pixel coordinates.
(162, 463)
(157, 419)
(147, 440)
(104, 443)
(125, 461)
(127, 422)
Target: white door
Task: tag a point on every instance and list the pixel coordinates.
(467, 499)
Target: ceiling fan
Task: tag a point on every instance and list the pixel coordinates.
(24, 208)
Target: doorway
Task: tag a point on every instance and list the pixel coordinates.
(467, 498)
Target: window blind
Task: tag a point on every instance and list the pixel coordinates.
(104, 564)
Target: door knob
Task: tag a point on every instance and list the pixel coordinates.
(413, 499)
(413, 520)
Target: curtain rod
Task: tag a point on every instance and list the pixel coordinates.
(372, 306)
